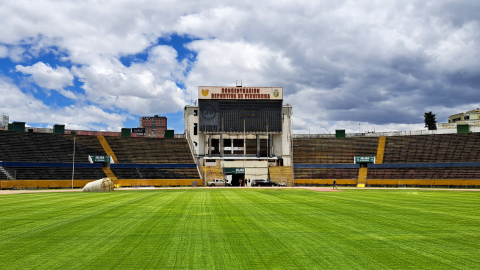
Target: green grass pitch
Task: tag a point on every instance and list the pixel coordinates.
(241, 229)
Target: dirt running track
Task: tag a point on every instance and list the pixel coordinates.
(3, 192)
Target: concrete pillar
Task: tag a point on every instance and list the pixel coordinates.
(209, 146)
(258, 145)
(244, 147)
(270, 145)
(221, 145)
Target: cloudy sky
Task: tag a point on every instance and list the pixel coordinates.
(99, 65)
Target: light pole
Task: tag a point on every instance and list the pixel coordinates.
(73, 164)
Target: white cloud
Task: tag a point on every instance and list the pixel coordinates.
(47, 77)
(16, 54)
(26, 108)
(222, 63)
(377, 63)
(142, 89)
(3, 51)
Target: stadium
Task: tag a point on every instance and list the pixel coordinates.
(239, 133)
(406, 199)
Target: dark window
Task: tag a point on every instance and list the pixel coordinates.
(195, 112)
(195, 129)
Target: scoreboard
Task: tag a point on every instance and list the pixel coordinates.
(235, 109)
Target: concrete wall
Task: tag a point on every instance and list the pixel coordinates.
(253, 169)
(189, 120)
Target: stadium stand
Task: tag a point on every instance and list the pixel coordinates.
(155, 173)
(425, 173)
(335, 151)
(441, 160)
(332, 150)
(150, 150)
(152, 161)
(440, 148)
(3, 176)
(327, 173)
(44, 160)
(56, 173)
(47, 147)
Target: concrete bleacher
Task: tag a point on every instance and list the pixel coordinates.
(335, 151)
(425, 173)
(414, 160)
(332, 150)
(37, 159)
(48, 175)
(433, 148)
(46, 147)
(3, 176)
(153, 162)
(428, 157)
(155, 173)
(420, 159)
(151, 150)
(56, 173)
(326, 173)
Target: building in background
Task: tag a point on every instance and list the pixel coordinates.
(5, 121)
(154, 125)
(240, 133)
(468, 116)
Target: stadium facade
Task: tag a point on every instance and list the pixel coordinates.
(241, 133)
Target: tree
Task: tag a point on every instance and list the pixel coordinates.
(430, 121)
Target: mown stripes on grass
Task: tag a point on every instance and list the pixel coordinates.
(241, 229)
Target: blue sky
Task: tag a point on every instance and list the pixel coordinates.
(55, 99)
(100, 65)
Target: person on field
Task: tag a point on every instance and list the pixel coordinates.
(335, 184)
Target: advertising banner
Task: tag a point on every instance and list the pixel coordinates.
(365, 159)
(138, 131)
(99, 159)
(240, 93)
(234, 170)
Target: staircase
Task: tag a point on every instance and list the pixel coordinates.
(281, 174)
(362, 177)
(380, 150)
(107, 148)
(6, 173)
(109, 173)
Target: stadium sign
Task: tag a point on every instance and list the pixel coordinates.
(240, 93)
(138, 131)
(234, 170)
(365, 159)
(100, 159)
